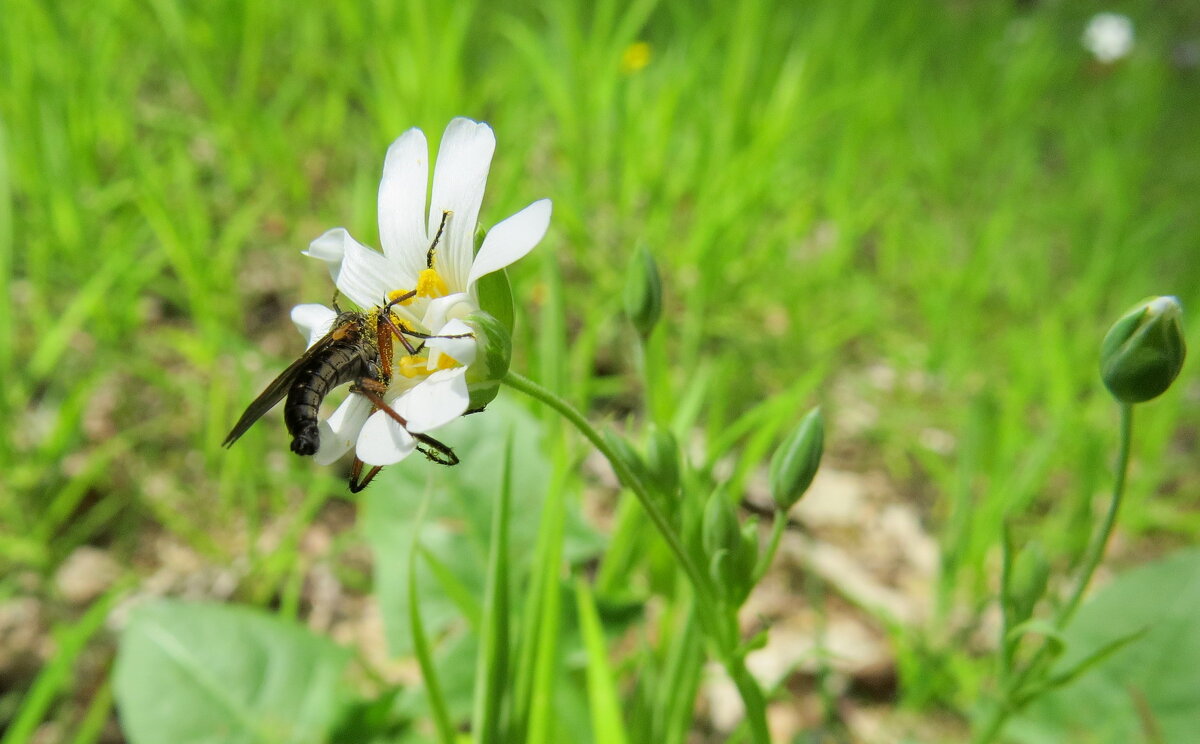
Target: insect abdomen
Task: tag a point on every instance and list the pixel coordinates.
(342, 363)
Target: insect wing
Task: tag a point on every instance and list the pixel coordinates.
(278, 388)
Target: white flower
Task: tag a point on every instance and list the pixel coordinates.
(1108, 36)
(429, 388)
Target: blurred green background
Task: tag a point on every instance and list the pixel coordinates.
(926, 212)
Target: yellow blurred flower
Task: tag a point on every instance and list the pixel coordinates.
(635, 57)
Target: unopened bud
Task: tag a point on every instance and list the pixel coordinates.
(1143, 352)
(795, 463)
(731, 548)
(628, 456)
(643, 293)
(720, 529)
(1030, 572)
(662, 461)
(491, 359)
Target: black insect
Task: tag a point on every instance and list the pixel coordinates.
(357, 350)
(346, 354)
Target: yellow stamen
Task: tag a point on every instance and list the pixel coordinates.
(431, 284)
(395, 293)
(413, 366)
(445, 361)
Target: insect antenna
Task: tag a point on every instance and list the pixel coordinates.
(429, 255)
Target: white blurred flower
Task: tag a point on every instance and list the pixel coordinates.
(428, 389)
(1108, 36)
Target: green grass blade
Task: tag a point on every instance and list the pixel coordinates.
(433, 690)
(541, 700)
(607, 724)
(95, 719)
(491, 675)
(461, 595)
(59, 675)
(681, 680)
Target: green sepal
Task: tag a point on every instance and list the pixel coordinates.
(492, 360)
(496, 298)
(494, 290)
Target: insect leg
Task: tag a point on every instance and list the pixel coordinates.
(383, 342)
(423, 336)
(358, 483)
(433, 449)
(385, 319)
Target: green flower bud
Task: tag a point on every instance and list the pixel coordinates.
(1030, 572)
(731, 548)
(662, 461)
(743, 563)
(627, 455)
(795, 463)
(643, 293)
(491, 360)
(720, 529)
(1143, 352)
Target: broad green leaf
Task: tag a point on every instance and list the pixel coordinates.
(1070, 674)
(188, 673)
(1151, 678)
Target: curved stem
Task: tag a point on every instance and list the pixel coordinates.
(708, 609)
(1098, 545)
(778, 525)
(1095, 553)
(529, 387)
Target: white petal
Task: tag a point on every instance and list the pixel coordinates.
(511, 239)
(367, 276)
(440, 310)
(402, 201)
(383, 441)
(340, 431)
(313, 320)
(462, 350)
(459, 178)
(329, 248)
(437, 401)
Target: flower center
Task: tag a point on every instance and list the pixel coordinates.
(431, 284)
(421, 360)
(417, 365)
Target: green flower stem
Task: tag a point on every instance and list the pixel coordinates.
(777, 528)
(704, 590)
(752, 698)
(1095, 553)
(719, 622)
(1100, 542)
